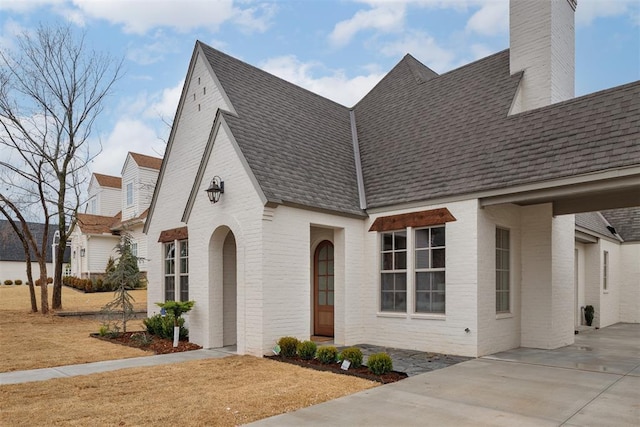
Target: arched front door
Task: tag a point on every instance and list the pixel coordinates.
(323, 289)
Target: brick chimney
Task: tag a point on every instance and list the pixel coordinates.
(542, 39)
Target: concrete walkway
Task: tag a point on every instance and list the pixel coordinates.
(111, 365)
(595, 382)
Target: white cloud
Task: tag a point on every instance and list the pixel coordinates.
(384, 16)
(10, 31)
(589, 10)
(23, 6)
(139, 17)
(165, 104)
(424, 48)
(491, 19)
(127, 135)
(335, 86)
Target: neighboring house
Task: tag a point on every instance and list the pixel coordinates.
(437, 214)
(115, 205)
(12, 257)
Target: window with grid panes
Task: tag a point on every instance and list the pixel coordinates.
(429, 244)
(393, 271)
(503, 271)
(170, 271)
(184, 270)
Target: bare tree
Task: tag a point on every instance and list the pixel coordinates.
(53, 88)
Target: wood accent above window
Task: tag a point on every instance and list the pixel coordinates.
(179, 233)
(413, 219)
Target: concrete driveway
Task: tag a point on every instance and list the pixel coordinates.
(595, 382)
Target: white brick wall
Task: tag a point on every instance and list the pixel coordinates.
(497, 332)
(542, 42)
(609, 312)
(547, 277)
(630, 282)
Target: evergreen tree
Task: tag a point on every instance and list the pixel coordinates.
(125, 276)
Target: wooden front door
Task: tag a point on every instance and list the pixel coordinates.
(323, 289)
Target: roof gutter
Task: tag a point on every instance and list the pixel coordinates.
(356, 155)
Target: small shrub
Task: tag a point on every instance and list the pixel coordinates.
(141, 339)
(163, 326)
(353, 355)
(103, 331)
(18, 282)
(8, 282)
(49, 280)
(380, 363)
(99, 285)
(307, 350)
(327, 354)
(288, 346)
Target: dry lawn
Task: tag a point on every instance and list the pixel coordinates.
(31, 340)
(218, 392)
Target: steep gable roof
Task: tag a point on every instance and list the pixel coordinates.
(145, 161)
(297, 144)
(108, 180)
(452, 134)
(594, 221)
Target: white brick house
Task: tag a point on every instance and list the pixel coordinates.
(436, 214)
(114, 205)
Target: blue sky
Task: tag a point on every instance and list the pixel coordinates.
(337, 48)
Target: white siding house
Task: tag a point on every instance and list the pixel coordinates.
(440, 213)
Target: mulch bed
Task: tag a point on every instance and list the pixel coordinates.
(146, 341)
(361, 372)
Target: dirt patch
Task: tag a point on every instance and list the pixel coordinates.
(148, 342)
(361, 372)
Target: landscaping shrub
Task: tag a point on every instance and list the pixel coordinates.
(353, 355)
(8, 282)
(327, 354)
(18, 282)
(288, 346)
(163, 326)
(380, 363)
(307, 350)
(49, 280)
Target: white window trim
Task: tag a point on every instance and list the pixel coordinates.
(505, 314)
(606, 261)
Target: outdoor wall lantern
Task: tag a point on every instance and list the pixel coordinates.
(82, 252)
(216, 188)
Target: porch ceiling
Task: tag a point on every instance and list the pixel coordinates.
(570, 198)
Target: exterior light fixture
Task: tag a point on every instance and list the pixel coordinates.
(82, 252)
(216, 188)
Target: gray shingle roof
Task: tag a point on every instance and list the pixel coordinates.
(626, 222)
(11, 247)
(298, 144)
(452, 135)
(594, 222)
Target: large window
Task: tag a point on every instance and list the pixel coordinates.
(130, 194)
(184, 270)
(170, 271)
(605, 271)
(393, 271)
(430, 270)
(503, 268)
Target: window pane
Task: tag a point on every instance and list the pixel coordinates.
(387, 242)
(437, 236)
(401, 281)
(184, 288)
(422, 282)
(184, 249)
(400, 240)
(400, 301)
(330, 282)
(437, 258)
(401, 261)
(422, 259)
(438, 281)
(387, 282)
(322, 298)
(184, 265)
(169, 288)
(330, 269)
(330, 298)
(323, 253)
(387, 261)
(423, 302)
(330, 252)
(322, 283)
(422, 238)
(437, 303)
(322, 267)
(386, 301)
